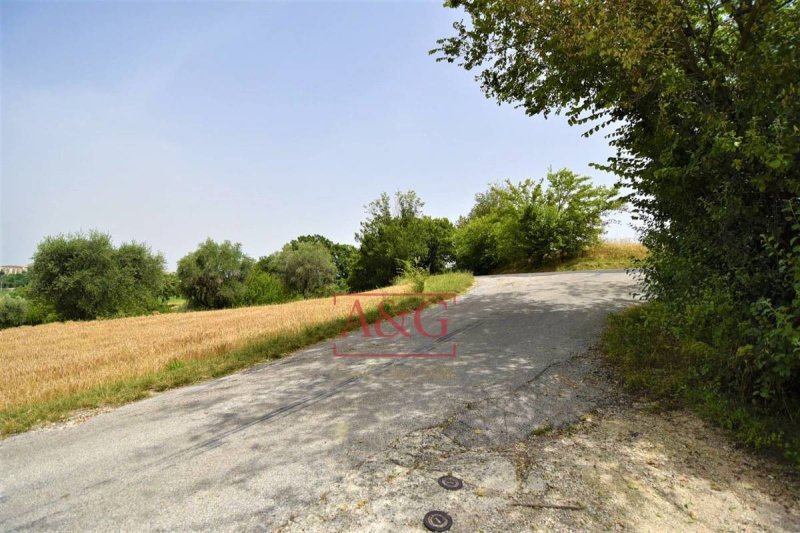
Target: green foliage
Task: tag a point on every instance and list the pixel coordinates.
(343, 255)
(522, 226)
(213, 276)
(141, 279)
(263, 288)
(412, 273)
(82, 276)
(653, 356)
(307, 268)
(171, 287)
(11, 281)
(13, 311)
(393, 234)
(702, 102)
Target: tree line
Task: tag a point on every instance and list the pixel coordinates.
(512, 226)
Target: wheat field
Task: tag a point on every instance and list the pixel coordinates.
(617, 250)
(42, 362)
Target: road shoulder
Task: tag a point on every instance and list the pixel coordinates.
(621, 466)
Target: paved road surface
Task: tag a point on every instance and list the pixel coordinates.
(270, 447)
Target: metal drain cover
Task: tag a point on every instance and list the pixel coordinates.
(437, 521)
(450, 483)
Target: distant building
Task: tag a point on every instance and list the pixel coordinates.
(13, 269)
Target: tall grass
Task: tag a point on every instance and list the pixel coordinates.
(606, 255)
(53, 369)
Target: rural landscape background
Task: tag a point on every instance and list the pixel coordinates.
(179, 205)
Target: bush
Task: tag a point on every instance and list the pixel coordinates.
(653, 355)
(82, 276)
(412, 274)
(262, 288)
(13, 311)
(214, 275)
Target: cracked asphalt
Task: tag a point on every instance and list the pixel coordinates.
(313, 442)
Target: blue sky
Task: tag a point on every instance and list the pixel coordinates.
(256, 122)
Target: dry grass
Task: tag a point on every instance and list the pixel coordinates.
(608, 254)
(40, 363)
(618, 250)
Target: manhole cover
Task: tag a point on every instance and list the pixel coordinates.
(437, 521)
(450, 483)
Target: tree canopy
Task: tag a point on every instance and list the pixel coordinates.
(522, 226)
(214, 275)
(83, 276)
(395, 232)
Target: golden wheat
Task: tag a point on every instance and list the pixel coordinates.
(41, 362)
(617, 250)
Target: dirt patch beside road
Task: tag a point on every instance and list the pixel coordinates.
(623, 467)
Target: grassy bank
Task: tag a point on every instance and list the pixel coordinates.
(653, 361)
(52, 370)
(606, 255)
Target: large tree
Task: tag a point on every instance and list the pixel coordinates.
(343, 254)
(524, 225)
(214, 275)
(307, 268)
(701, 99)
(83, 276)
(395, 233)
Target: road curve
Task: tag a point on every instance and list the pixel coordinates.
(261, 448)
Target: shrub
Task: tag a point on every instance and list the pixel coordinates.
(262, 288)
(213, 276)
(13, 311)
(654, 356)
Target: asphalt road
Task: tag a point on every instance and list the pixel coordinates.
(268, 448)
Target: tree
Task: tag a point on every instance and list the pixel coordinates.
(700, 99)
(12, 281)
(263, 288)
(142, 278)
(83, 276)
(398, 232)
(307, 267)
(343, 255)
(171, 287)
(13, 311)
(213, 276)
(522, 226)
(76, 274)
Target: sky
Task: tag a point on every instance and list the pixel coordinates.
(170, 122)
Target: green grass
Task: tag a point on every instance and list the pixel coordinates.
(676, 372)
(183, 372)
(176, 304)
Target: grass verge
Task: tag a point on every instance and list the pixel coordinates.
(677, 372)
(606, 255)
(183, 371)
